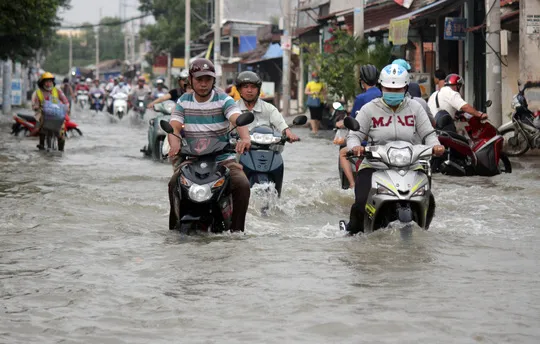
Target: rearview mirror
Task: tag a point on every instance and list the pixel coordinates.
(299, 120)
(488, 103)
(166, 126)
(245, 119)
(351, 123)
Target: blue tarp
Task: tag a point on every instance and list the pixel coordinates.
(247, 43)
(274, 51)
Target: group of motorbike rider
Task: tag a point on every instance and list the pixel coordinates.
(385, 112)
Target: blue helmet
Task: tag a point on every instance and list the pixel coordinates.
(403, 64)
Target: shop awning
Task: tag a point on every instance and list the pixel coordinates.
(425, 11)
(273, 51)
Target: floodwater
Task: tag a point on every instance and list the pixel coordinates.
(86, 255)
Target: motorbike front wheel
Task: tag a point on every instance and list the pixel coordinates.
(515, 142)
(158, 147)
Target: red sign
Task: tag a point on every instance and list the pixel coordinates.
(404, 3)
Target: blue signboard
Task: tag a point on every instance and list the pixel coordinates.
(455, 29)
(16, 92)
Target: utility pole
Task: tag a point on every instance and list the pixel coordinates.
(493, 61)
(6, 96)
(217, 41)
(286, 78)
(187, 38)
(70, 53)
(97, 46)
(169, 63)
(359, 19)
(132, 43)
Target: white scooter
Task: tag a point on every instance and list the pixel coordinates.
(82, 98)
(120, 105)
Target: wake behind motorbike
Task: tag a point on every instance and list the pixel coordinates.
(402, 190)
(523, 132)
(157, 137)
(480, 155)
(263, 163)
(203, 200)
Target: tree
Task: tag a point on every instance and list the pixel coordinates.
(167, 34)
(111, 46)
(27, 26)
(335, 65)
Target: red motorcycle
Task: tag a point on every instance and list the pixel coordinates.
(26, 124)
(481, 154)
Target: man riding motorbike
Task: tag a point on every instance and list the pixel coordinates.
(46, 95)
(96, 89)
(369, 75)
(446, 102)
(249, 85)
(160, 89)
(120, 88)
(142, 90)
(176, 93)
(393, 117)
(208, 113)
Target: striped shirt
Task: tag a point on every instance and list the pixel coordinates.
(206, 119)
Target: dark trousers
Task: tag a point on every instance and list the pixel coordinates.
(240, 191)
(361, 191)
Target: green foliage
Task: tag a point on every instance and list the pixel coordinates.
(336, 67)
(111, 46)
(27, 26)
(167, 34)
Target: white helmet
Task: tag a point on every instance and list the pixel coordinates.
(394, 76)
(88, 80)
(184, 74)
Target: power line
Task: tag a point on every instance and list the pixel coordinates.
(114, 23)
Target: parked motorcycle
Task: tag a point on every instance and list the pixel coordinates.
(482, 155)
(120, 105)
(523, 132)
(26, 123)
(402, 191)
(263, 163)
(82, 98)
(203, 184)
(156, 135)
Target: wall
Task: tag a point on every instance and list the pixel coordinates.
(510, 76)
(529, 46)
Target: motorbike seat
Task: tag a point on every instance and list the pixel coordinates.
(28, 118)
(458, 137)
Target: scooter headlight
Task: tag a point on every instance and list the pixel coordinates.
(400, 156)
(200, 193)
(383, 190)
(420, 192)
(264, 139)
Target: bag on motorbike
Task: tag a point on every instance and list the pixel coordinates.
(341, 137)
(54, 116)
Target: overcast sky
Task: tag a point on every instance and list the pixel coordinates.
(88, 10)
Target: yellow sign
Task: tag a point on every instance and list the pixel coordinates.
(178, 62)
(399, 31)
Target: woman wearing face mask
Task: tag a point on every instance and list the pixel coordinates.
(393, 117)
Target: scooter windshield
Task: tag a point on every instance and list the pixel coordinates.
(203, 146)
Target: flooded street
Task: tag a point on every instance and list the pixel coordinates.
(86, 255)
